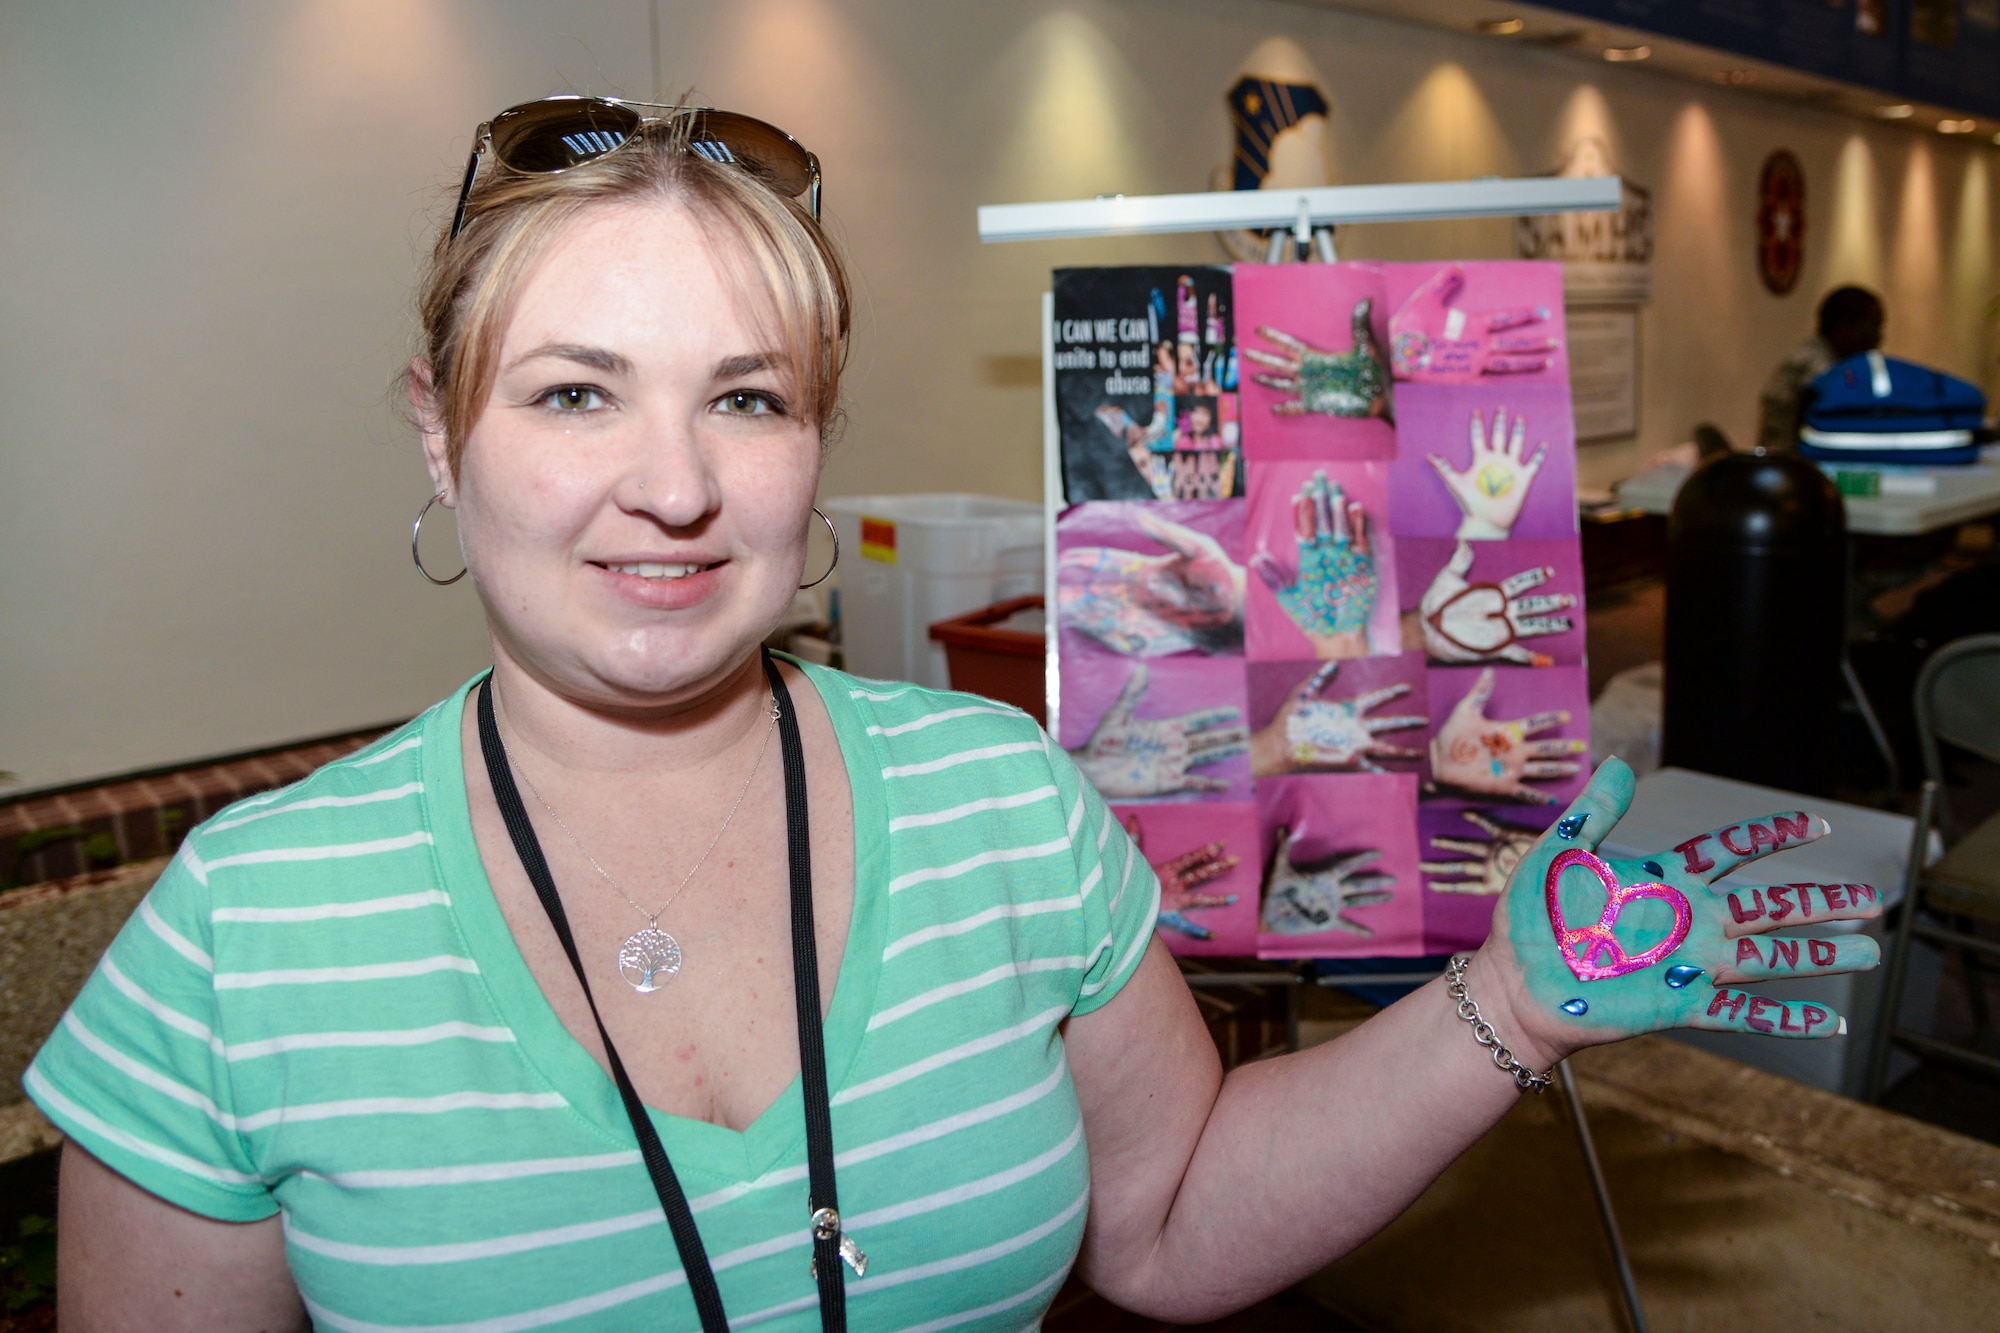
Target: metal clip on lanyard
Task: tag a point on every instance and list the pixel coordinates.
(830, 1244)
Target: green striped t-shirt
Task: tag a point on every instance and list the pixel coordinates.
(319, 1011)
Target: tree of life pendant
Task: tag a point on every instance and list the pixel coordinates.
(649, 959)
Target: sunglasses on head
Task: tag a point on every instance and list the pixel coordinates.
(557, 133)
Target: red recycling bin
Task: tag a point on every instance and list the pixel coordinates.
(1004, 662)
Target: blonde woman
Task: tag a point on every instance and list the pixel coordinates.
(648, 982)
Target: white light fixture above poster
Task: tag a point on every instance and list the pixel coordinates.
(1301, 210)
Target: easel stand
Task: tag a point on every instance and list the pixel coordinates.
(1302, 223)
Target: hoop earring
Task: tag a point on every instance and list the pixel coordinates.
(416, 532)
(835, 534)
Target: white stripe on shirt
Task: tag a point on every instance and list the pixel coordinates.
(407, 743)
(46, 1092)
(300, 1041)
(173, 1018)
(955, 1264)
(306, 1112)
(314, 1041)
(176, 941)
(303, 976)
(930, 874)
(951, 1055)
(336, 851)
(513, 1323)
(954, 760)
(931, 719)
(401, 902)
(901, 822)
(952, 989)
(478, 1173)
(322, 803)
(186, 856)
(967, 1316)
(907, 1138)
(946, 930)
(398, 1256)
(972, 1189)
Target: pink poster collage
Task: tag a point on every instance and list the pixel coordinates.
(1320, 592)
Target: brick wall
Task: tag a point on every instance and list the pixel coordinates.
(62, 834)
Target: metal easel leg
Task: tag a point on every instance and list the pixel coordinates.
(1612, 1235)
(1875, 730)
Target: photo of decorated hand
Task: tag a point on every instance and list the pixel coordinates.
(1614, 947)
(1494, 857)
(1190, 598)
(1476, 754)
(1306, 899)
(1494, 485)
(1335, 384)
(1181, 876)
(1332, 596)
(1483, 622)
(1129, 758)
(1311, 732)
(1432, 337)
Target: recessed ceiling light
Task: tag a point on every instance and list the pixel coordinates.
(1957, 126)
(1620, 55)
(1897, 111)
(1500, 27)
(1735, 76)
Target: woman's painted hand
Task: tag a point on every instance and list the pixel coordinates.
(1608, 948)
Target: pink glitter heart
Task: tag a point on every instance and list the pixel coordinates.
(1582, 945)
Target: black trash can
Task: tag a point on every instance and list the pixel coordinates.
(1756, 601)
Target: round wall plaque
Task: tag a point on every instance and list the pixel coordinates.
(1781, 221)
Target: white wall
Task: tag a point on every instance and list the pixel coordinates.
(213, 212)
(207, 235)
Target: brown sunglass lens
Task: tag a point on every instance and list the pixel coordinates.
(724, 136)
(557, 134)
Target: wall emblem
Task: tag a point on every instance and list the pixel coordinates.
(1279, 133)
(1607, 258)
(1781, 221)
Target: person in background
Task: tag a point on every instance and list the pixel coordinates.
(1850, 323)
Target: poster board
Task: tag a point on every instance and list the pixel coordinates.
(1317, 589)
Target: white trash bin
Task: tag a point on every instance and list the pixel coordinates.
(908, 561)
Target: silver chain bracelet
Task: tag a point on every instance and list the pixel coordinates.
(1482, 1031)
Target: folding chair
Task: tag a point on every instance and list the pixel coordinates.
(1957, 700)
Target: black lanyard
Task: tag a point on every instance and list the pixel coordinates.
(821, 1202)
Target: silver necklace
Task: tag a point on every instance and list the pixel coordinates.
(650, 957)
